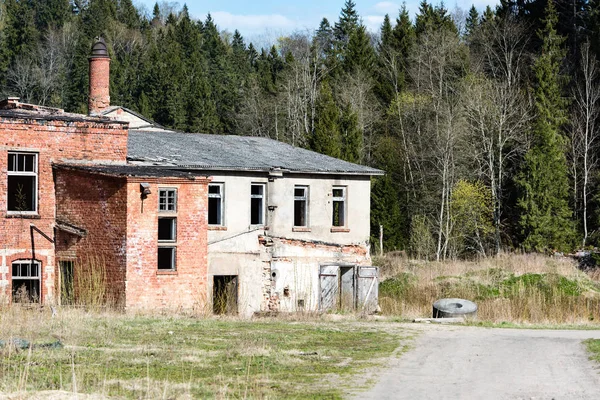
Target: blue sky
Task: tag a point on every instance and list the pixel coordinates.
(255, 17)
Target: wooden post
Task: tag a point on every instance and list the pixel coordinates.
(380, 240)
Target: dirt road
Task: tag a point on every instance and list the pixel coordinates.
(477, 363)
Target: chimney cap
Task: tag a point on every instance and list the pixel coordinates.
(99, 49)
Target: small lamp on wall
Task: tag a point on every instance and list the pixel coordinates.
(145, 190)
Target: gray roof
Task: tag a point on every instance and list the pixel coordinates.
(124, 171)
(232, 153)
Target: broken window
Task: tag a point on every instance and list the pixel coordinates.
(167, 200)
(339, 206)
(25, 281)
(22, 182)
(215, 204)
(167, 229)
(301, 206)
(257, 204)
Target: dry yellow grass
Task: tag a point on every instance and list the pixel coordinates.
(512, 288)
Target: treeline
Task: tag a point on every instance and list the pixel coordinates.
(486, 123)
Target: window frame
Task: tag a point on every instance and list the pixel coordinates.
(262, 197)
(34, 173)
(221, 197)
(344, 201)
(18, 278)
(166, 190)
(305, 198)
(167, 214)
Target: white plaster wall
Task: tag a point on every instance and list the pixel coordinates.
(236, 250)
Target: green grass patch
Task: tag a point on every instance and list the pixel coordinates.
(593, 347)
(144, 357)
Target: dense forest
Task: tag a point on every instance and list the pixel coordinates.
(486, 121)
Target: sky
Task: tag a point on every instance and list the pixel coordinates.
(255, 17)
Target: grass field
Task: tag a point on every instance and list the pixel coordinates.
(510, 289)
(140, 357)
(593, 347)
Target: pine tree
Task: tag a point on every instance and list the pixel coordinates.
(472, 22)
(347, 24)
(386, 33)
(128, 15)
(352, 139)
(360, 54)
(51, 13)
(488, 15)
(545, 214)
(326, 138)
(386, 211)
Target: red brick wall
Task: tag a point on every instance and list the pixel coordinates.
(99, 98)
(55, 142)
(146, 286)
(97, 204)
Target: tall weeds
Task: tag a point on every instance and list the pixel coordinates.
(513, 288)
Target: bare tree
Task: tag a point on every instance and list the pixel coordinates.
(584, 132)
(497, 110)
(437, 70)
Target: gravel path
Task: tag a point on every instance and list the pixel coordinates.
(477, 363)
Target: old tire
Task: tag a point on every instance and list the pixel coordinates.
(453, 308)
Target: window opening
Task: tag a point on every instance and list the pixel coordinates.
(22, 182)
(257, 204)
(26, 281)
(339, 206)
(215, 204)
(167, 230)
(301, 206)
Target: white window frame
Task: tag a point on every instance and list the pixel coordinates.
(344, 201)
(262, 197)
(37, 278)
(33, 173)
(221, 197)
(304, 198)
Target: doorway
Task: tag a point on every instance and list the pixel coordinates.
(225, 294)
(67, 292)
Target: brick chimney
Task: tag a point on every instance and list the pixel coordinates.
(99, 98)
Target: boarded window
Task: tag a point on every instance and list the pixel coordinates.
(26, 281)
(215, 204)
(22, 182)
(339, 206)
(301, 206)
(257, 204)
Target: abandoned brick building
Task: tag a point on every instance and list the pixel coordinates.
(176, 220)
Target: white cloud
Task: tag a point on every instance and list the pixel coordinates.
(387, 7)
(252, 23)
(373, 22)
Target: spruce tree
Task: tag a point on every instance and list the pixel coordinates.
(545, 214)
(360, 54)
(352, 139)
(347, 24)
(326, 138)
(472, 22)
